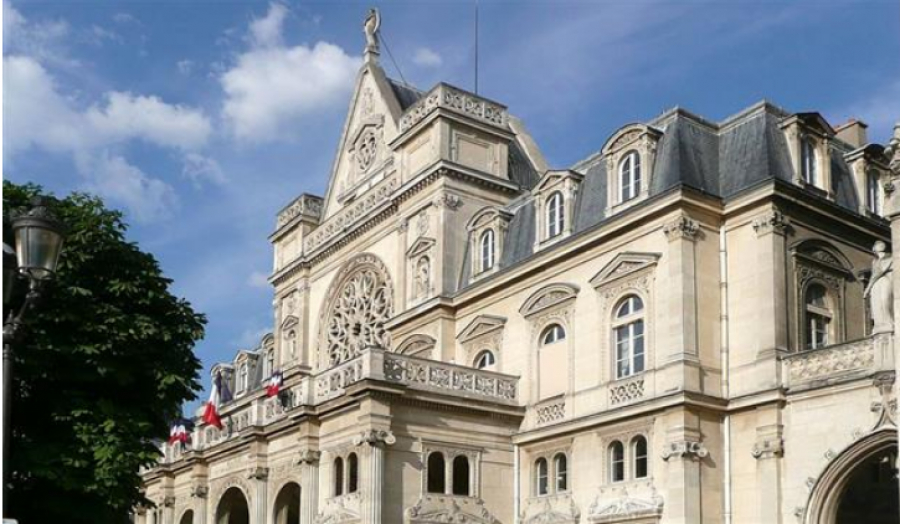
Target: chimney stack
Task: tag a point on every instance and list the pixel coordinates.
(853, 132)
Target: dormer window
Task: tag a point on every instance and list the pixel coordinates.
(873, 192)
(555, 215)
(487, 245)
(243, 376)
(630, 176)
(808, 161)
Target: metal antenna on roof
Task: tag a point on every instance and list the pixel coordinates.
(391, 55)
(476, 47)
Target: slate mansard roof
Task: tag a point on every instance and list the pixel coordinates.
(720, 159)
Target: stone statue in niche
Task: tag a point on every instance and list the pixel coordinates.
(423, 277)
(880, 292)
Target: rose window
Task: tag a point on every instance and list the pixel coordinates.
(358, 314)
(366, 150)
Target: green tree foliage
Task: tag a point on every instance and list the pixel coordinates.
(104, 362)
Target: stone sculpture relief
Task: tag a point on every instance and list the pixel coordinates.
(880, 292)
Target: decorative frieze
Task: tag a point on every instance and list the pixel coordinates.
(560, 509)
(449, 98)
(432, 509)
(831, 362)
(685, 449)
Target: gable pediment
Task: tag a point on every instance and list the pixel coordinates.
(552, 178)
(548, 297)
(624, 264)
(420, 246)
(481, 325)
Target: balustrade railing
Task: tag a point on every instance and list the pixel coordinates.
(840, 362)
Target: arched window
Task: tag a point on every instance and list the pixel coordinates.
(553, 333)
(461, 475)
(338, 477)
(487, 244)
(270, 362)
(485, 360)
(808, 165)
(628, 329)
(616, 461)
(436, 479)
(352, 473)
(873, 192)
(555, 215)
(630, 176)
(541, 484)
(818, 316)
(561, 469)
(639, 456)
(243, 375)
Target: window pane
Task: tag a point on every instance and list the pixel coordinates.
(461, 476)
(542, 485)
(353, 473)
(338, 477)
(617, 461)
(639, 449)
(638, 352)
(436, 480)
(562, 472)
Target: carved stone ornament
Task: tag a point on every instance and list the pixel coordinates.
(304, 205)
(682, 227)
(199, 491)
(169, 501)
(451, 99)
(258, 473)
(359, 306)
(309, 456)
(374, 437)
(448, 200)
(772, 222)
(685, 449)
(626, 508)
(336, 511)
(551, 510)
(452, 510)
(886, 408)
(769, 447)
(366, 148)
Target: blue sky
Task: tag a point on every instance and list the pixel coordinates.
(201, 120)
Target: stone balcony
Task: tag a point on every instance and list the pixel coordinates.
(258, 411)
(839, 363)
(452, 99)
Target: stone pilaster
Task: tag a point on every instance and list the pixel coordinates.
(401, 292)
(683, 454)
(309, 485)
(200, 493)
(771, 230)
(169, 509)
(260, 477)
(768, 450)
(681, 339)
(373, 488)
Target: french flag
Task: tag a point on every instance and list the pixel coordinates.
(181, 431)
(217, 396)
(275, 383)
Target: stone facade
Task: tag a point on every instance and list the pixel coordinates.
(673, 330)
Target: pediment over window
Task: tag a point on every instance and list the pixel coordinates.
(417, 346)
(823, 254)
(624, 264)
(547, 297)
(439, 509)
(629, 136)
(481, 325)
(488, 217)
(420, 246)
(555, 177)
(811, 122)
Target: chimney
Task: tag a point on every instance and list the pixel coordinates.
(853, 132)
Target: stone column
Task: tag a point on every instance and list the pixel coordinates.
(767, 451)
(401, 293)
(373, 481)
(259, 476)
(309, 485)
(200, 492)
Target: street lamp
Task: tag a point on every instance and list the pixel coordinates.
(38, 236)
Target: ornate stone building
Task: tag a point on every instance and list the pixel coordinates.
(673, 330)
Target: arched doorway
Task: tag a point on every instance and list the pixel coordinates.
(287, 504)
(187, 517)
(233, 508)
(860, 485)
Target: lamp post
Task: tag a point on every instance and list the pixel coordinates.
(38, 236)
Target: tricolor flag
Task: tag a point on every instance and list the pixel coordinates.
(275, 383)
(181, 431)
(218, 396)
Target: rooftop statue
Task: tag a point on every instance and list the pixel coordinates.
(371, 27)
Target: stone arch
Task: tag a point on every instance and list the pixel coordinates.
(417, 345)
(187, 517)
(233, 507)
(549, 296)
(359, 301)
(286, 509)
(828, 491)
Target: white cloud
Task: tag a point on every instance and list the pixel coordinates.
(258, 279)
(266, 31)
(43, 40)
(38, 115)
(125, 18)
(185, 67)
(200, 169)
(426, 57)
(271, 87)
